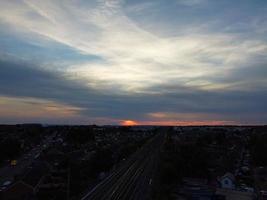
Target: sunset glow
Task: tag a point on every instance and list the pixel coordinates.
(129, 123)
(177, 123)
(133, 62)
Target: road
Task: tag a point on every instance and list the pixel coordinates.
(8, 172)
(134, 178)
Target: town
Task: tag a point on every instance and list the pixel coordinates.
(134, 162)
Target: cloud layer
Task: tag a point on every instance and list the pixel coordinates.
(115, 60)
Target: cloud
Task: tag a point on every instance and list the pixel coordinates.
(132, 58)
(33, 110)
(135, 72)
(28, 81)
(191, 2)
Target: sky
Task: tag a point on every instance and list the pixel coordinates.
(133, 62)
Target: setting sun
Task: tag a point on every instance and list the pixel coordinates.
(129, 123)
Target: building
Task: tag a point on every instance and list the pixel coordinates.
(28, 186)
(227, 181)
(18, 191)
(195, 189)
(229, 194)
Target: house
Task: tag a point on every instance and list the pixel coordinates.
(18, 191)
(193, 188)
(27, 187)
(234, 194)
(263, 195)
(227, 181)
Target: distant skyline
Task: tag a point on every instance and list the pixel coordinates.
(133, 62)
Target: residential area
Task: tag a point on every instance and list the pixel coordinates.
(176, 163)
(61, 162)
(222, 163)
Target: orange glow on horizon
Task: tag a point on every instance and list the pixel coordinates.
(129, 123)
(186, 123)
(177, 123)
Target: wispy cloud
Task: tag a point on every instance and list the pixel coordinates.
(191, 2)
(135, 64)
(133, 58)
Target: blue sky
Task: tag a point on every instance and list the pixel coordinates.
(151, 62)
